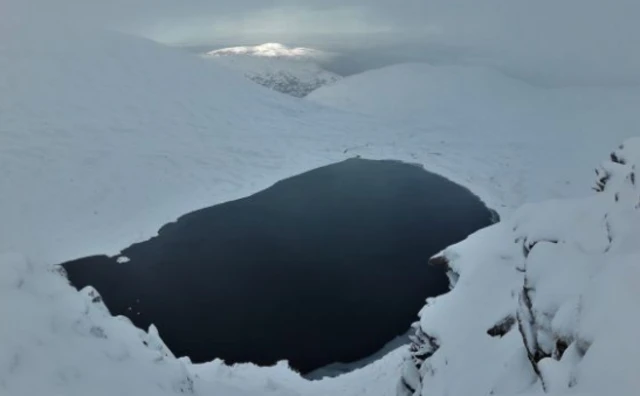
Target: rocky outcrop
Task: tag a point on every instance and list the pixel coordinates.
(291, 83)
(542, 302)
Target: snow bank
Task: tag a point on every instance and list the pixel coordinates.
(379, 378)
(544, 301)
(56, 341)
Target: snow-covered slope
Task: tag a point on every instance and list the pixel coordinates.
(529, 135)
(545, 301)
(293, 71)
(101, 142)
(417, 92)
(104, 137)
(56, 341)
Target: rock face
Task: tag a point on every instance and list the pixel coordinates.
(292, 71)
(543, 302)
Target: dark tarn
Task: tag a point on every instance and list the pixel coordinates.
(324, 267)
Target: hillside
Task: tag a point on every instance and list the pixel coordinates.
(475, 112)
(105, 143)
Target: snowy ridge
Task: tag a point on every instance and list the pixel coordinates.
(405, 92)
(545, 301)
(293, 71)
(272, 50)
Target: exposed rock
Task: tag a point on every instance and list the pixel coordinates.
(502, 327)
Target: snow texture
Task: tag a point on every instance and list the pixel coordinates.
(567, 272)
(507, 137)
(293, 71)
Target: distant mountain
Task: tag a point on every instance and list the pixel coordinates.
(293, 71)
(273, 50)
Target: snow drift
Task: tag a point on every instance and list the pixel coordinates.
(542, 302)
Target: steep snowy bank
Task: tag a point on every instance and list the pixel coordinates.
(545, 301)
(56, 341)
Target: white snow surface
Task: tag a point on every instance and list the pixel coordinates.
(293, 71)
(528, 143)
(578, 261)
(105, 137)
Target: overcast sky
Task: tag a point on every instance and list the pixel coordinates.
(575, 37)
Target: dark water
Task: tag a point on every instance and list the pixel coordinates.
(323, 267)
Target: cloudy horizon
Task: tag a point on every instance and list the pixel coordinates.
(569, 40)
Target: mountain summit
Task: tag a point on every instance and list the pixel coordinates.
(292, 71)
(272, 50)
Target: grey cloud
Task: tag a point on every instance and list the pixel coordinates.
(569, 38)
